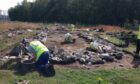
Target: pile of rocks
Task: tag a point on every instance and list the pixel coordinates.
(14, 32)
(106, 53)
(42, 36)
(86, 36)
(83, 56)
(86, 56)
(59, 56)
(123, 35)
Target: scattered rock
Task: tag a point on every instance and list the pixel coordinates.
(23, 82)
(121, 65)
(16, 51)
(108, 58)
(10, 35)
(29, 30)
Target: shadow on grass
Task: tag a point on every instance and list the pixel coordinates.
(22, 70)
(17, 67)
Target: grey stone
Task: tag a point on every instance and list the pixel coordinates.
(108, 58)
(82, 61)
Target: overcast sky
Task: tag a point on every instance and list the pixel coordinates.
(6, 4)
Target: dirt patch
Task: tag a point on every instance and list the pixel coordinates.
(56, 37)
(5, 26)
(104, 27)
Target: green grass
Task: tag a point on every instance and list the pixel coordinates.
(75, 76)
(131, 48)
(71, 76)
(114, 40)
(8, 42)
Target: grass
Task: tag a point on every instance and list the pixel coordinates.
(75, 76)
(8, 42)
(70, 76)
(113, 40)
(131, 48)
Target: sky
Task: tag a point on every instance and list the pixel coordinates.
(6, 4)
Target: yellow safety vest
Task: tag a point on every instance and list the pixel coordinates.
(138, 34)
(39, 48)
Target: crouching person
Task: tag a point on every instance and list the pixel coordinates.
(39, 53)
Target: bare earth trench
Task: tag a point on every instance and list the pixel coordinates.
(56, 38)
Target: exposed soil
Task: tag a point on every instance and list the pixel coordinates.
(55, 38)
(105, 27)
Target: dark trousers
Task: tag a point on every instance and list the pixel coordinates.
(138, 47)
(42, 61)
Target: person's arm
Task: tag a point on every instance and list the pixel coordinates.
(31, 53)
(32, 57)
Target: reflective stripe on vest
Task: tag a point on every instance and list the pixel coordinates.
(39, 48)
(138, 35)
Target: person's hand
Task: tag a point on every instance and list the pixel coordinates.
(30, 57)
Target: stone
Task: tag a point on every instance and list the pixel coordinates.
(19, 32)
(118, 56)
(68, 60)
(98, 62)
(121, 65)
(89, 63)
(12, 57)
(16, 51)
(23, 82)
(82, 61)
(10, 35)
(55, 60)
(108, 58)
(109, 33)
(51, 49)
(29, 30)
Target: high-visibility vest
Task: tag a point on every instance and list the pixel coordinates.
(138, 34)
(39, 48)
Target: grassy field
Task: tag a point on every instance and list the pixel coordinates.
(131, 48)
(8, 42)
(75, 76)
(66, 75)
(114, 40)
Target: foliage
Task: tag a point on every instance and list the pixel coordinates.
(78, 11)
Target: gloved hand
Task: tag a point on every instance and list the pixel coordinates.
(31, 57)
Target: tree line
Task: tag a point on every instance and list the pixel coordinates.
(115, 12)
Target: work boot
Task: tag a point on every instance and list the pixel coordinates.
(48, 70)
